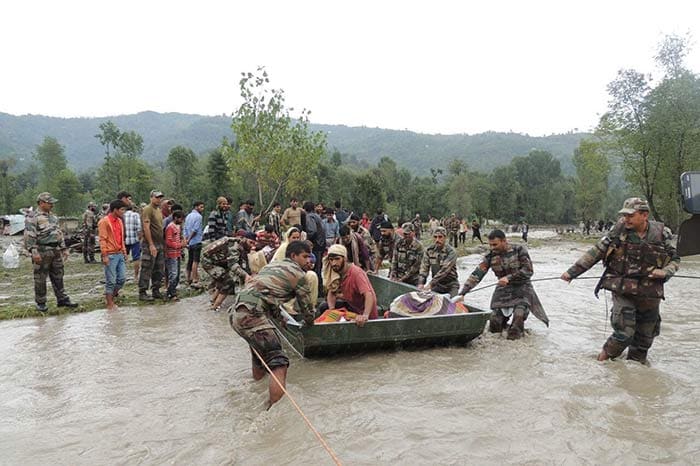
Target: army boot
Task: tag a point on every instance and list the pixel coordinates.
(517, 327)
(143, 296)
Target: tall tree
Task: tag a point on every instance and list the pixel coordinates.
(592, 172)
(182, 163)
(109, 136)
(275, 149)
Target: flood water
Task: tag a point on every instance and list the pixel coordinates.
(172, 385)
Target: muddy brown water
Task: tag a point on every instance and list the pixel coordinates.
(171, 385)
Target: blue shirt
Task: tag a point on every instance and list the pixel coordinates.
(193, 223)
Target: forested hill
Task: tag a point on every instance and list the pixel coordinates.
(19, 135)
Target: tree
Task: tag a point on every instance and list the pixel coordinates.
(592, 171)
(275, 149)
(51, 159)
(109, 136)
(8, 185)
(182, 163)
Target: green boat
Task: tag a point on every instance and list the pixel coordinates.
(402, 332)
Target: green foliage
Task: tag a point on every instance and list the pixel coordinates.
(183, 164)
(277, 151)
(655, 131)
(592, 172)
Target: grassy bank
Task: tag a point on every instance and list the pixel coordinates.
(84, 283)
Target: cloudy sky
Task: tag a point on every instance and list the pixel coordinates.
(536, 67)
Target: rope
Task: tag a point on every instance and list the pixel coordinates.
(296, 406)
(577, 278)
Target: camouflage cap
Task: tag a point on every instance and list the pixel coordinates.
(46, 197)
(407, 227)
(440, 231)
(634, 204)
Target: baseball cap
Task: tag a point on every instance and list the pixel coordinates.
(634, 204)
(440, 231)
(156, 193)
(407, 227)
(46, 197)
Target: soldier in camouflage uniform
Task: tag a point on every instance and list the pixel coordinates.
(639, 258)
(44, 240)
(226, 261)
(514, 294)
(452, 227)
(259, 302)
(89, 228)
(387, 241)
(408, 254)
(440, 259)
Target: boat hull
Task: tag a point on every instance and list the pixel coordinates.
(386, 334)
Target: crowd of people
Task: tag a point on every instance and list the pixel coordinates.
(312, 253)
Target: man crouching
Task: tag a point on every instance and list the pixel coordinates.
(258, 303)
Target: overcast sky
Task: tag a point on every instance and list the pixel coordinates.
(433, 66)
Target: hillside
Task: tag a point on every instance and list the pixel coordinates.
(19, 135)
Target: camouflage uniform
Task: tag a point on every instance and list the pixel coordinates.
(405, 265)
(417, 226)
(443, 265)
(89, 227)
(517, 297)
(369, 242)
(226, 261)
(43, 237)
(259, 302)
(452, 227)
(386, 246)
(629, 259)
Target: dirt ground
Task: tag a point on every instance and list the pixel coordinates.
(84, 283)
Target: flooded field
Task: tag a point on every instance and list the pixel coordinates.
(171, 385)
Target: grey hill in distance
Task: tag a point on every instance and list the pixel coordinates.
(19, 136)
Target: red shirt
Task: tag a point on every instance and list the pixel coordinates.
(117, 230)
(173, 244)
(353, 288)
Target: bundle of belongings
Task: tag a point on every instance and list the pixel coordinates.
(335, 315)
(424, 303)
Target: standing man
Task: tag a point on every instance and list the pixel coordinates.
(44, 240)
(246, 219)
(639, 258)
(440, 259)
(152, 249)
(408, 254)
(113, 251)
(356, 227)
(133, 236)
(417, 226)
(331, 226)
(292, 214)
(317, 235)
(192, 233)
(514, 294)
(452, 227)
(274, 219)
(258, 303)
(89, 228)
(341, 215)
(476, 232)
(217, 220)
(387, 241)
(226, 261)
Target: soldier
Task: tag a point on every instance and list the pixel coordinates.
(639, 258)
(476, 231)
(44, 240)
(89, 228)
(226, 261)
(152, 249)
(452, 227)
(440, 259)
(417, 226)
(387, 241)
(408, 254)
(514, 294)
(258, 303)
